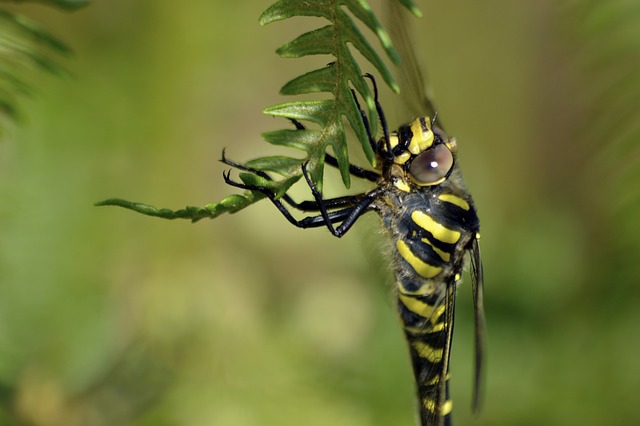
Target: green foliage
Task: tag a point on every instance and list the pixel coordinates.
(26, 47)
(607, 36)
(61, 4)
(230, 204)
(337, 79)
(67, 4)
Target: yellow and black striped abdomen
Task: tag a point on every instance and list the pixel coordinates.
(432, 230)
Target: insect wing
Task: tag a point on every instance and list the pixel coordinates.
(477, 281)
(414, 92)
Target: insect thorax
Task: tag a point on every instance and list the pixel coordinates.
(430, 215)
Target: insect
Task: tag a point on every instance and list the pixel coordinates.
(433, 225)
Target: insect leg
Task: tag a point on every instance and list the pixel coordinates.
(346, 205)
(304, 206)
(332, 161)
(381, 116)
(350, 214)
(354, 170)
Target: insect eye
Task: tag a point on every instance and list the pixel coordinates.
(432, 166)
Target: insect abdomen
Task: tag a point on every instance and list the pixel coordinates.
(424, 322)
(431, 235)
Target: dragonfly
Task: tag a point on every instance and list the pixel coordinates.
(432, 224)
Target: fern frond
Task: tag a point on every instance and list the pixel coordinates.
(342, 78)
(24, 47)
(337, 78)
(231, 204)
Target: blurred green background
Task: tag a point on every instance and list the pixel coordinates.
(112, 318)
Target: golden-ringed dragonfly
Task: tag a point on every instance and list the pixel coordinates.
(433, 224)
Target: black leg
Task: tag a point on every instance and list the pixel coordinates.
(354, 170)
(365, 122)
(345, 210)
(381, 116)
(305, 206)
(348, 215)
(349, 204)
(354, 207)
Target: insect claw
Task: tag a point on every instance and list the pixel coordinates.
(299, 125)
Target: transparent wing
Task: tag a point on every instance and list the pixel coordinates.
(414, 91)
(480, 326)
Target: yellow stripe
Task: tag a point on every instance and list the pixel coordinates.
(427, 352)
(421, 267)
(418, 307)
(423, 330)
(426, 289)
(402, 158)
(430, 405)
(443, 254)
(454, 199)
(421, 308)
(393, 140)
(440, 232)
(402, 185)
(447, 407)
(436, 379)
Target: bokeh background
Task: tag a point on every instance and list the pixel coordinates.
(113, 318)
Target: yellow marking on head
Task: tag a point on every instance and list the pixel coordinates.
(421, 267)
(437, 182)
(402, 185)
(393, 140)
(457, 277)
(402, 158)
(454, 199)
(422, 135)
(431, 354)
(440, 232)
(477, 235)
(447, 407)
(443, 254)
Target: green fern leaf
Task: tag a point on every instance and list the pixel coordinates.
(409, 4)
(340, 79)
(231, 204)
(337, 78)
(25, 48)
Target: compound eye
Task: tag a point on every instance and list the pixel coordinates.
(432, 166)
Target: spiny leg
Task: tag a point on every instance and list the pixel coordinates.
(350, 214)
(365, 122)
(381, 116)
(260, 173)
(305, 206)
(340, 215)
